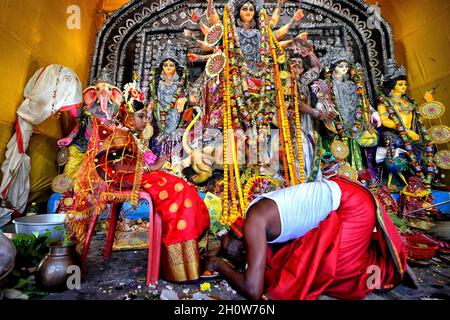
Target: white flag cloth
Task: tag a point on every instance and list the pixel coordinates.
(49, 89)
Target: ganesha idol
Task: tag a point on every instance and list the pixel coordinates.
(101, 100)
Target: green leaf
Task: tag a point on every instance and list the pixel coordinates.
(58, 228)
(52, 240)
(36, 234)
(23, 283)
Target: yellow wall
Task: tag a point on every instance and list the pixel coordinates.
(33, 33)
(422, 43)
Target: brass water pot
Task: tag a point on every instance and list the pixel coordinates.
(51, 273)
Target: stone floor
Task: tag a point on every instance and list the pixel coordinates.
(123, 276)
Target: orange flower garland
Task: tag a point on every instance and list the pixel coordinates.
(298, 128)
(282, 106)
(231, 179)
(226, 106)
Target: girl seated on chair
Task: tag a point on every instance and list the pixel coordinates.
(124, 163)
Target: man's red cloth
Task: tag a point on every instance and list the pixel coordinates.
(343, 257)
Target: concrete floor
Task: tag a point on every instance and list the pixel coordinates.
(123, 276)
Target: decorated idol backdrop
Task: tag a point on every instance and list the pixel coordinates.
(131, 39)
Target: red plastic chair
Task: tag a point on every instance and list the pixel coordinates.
(154, 235)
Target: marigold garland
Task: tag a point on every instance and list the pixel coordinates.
(240, 110)
(298, 127)
(226, 106)
(282, 106)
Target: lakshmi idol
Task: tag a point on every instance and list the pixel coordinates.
(403, 129)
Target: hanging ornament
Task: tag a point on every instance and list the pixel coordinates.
(439, 134)
(340, 149)
(348, 171)
(62, 183)
(432, 109)
(442, 159)
(214, 35)
(215, 64)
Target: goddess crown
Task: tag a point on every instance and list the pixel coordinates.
(170, 51)
(393, 71)
(235, 4)
(105, 75)
(336, 54)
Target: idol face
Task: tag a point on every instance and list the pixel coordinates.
(400, 87)
(247, 12)
(140, 120)
(169, 68)
(341, 69)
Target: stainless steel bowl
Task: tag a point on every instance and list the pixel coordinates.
(41, 223)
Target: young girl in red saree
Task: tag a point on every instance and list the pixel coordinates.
(123, 163)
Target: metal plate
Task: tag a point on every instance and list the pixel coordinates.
(62, 156)
(340, 149)
(439, 134)
(62, 183)
(442, 159)
(349, 172)
(432, 109)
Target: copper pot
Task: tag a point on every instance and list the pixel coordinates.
(51, 273)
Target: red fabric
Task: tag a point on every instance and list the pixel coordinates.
(40, 74)
(71, 106)
(238, 227)
(19, 137)
(253, 85)
(334, 258)
(184, 214)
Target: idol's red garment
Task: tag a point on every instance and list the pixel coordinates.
(338, 257)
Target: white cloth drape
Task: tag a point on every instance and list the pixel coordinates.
(49, 89)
